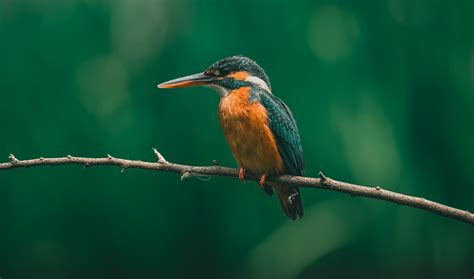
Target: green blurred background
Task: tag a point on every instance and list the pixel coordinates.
(382, 92)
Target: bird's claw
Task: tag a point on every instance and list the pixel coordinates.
(242, 174)
(262, 181)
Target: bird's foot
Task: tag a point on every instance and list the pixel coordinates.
(242, 174)
(262, 180)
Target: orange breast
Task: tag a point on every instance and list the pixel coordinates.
(246, 130)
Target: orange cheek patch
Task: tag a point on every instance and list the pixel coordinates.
(242, 75)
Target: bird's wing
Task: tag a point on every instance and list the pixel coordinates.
(283, 126)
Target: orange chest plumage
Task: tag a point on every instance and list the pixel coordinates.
(246, 130)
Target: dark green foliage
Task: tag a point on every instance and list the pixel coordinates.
(382, 92)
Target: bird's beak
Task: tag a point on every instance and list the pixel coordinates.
(187, 81)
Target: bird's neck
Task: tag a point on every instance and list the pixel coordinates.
(235, 102)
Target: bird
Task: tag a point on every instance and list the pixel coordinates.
(258, 126)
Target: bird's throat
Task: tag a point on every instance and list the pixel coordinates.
(223, 92)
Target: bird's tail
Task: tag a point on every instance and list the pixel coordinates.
(291, 203)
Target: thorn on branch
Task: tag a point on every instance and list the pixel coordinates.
(184, 175)
(160, 157)
(188, 174)
(12, 158)
(109, 157)
(69, 157)
(215, 163)
(41, 158)
(86, 165)
(378, 188)
(124, 168)
(322, 177)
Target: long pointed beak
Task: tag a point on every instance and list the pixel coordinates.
(187, 81)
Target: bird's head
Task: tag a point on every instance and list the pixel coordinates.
(225, 75)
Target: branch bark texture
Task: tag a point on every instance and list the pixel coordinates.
(186, 171)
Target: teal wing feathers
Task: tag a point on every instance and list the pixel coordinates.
(283, 126)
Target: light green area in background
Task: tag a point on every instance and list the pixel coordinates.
(382, 92)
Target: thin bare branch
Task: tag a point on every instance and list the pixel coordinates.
(323, 182)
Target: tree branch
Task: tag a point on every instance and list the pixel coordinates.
(322, 182)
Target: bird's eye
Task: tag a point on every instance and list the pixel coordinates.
(224, 71)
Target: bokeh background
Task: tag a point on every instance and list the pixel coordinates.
(382, 92)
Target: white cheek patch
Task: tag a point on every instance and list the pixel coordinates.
(221, 90)
(258, 82)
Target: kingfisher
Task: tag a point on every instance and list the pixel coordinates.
(258, 126)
